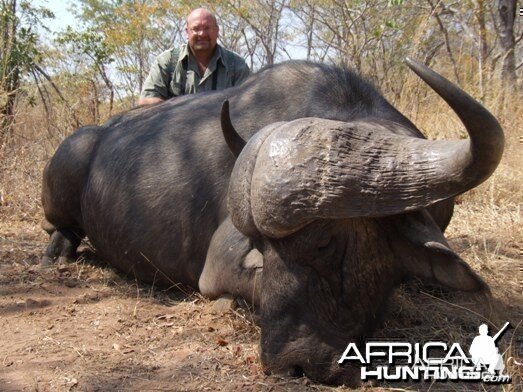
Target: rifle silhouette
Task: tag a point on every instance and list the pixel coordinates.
(501, 331)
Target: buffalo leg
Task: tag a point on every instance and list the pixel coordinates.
(62, 246)
(232, 266)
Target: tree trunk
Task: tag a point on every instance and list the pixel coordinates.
(445, 33)
(507, 14)
(480, 13)
(9, 72)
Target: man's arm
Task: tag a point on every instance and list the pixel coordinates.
(242, 74)
(149, 101)
(156, 86)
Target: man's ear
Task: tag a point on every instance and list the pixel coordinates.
(425, 254)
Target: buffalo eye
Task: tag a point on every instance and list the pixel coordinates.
(326, 243)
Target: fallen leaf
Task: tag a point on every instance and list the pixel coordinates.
(222, 342)
(255, 370)
(237, 350)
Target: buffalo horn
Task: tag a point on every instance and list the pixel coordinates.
(315, 168)
(232, 138)
(486, 142)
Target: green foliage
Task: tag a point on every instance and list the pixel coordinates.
(19, 52)
(126, 32)
(90, 43)
(108, 52)
(18, 43)
(392, 24)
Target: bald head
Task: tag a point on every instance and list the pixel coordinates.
(201, 13)
(202, 32)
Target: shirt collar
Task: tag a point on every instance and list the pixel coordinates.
(218, 55)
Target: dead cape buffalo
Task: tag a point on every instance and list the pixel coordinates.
(336, 200)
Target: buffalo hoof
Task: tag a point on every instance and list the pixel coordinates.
(46, 261)
(65, 260)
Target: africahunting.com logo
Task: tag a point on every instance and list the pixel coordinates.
(435, 360)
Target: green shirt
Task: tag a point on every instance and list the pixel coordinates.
(168, 78)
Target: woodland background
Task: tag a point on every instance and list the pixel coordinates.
(85, 72)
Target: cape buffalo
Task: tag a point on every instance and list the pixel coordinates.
(331, 205)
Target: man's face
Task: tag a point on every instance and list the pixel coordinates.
(202, 32)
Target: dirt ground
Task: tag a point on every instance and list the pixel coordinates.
(81, 326)
(85, 327)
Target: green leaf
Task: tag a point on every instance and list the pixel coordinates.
(392, 25)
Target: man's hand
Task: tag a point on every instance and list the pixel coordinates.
(149, 101)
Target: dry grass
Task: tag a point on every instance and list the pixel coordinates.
(486, 231)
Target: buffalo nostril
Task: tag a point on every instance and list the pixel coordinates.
(296, 371)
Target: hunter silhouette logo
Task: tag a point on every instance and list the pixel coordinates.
(436, 360)
(484, 351)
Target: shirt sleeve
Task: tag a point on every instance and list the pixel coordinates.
(156, 84)
(242, 74)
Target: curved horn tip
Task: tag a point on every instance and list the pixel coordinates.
(416, 66)
(409, 60)
(224, 113)
(225, 105)
(486, 139)
(232, 138)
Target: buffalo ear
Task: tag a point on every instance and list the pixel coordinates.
(232, 138)
(427, 255)
(450, 271)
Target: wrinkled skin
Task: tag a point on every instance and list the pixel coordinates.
(152, 189)
(326, 285)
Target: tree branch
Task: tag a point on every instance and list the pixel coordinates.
(55, 87)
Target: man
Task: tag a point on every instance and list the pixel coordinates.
(201, 65)
(483, 350)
